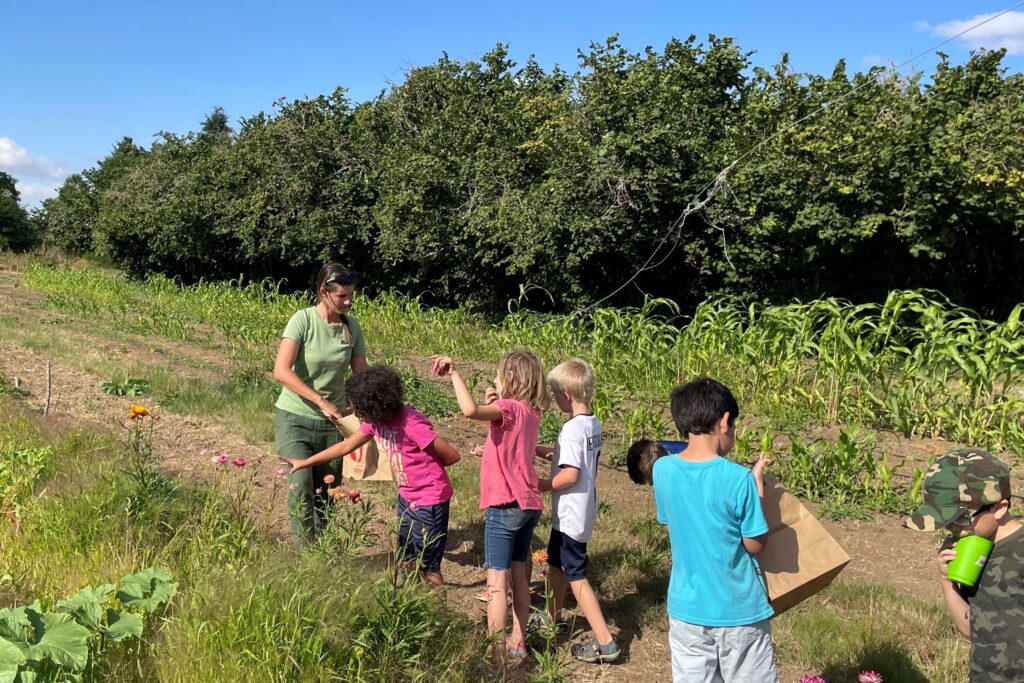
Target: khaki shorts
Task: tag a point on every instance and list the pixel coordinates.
(722, 654)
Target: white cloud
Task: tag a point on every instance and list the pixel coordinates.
(1006, 31)
(46, 175)
(17, 161)
(32, 194)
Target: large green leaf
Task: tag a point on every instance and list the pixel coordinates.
(13, 622)
(86, 606)
(11, 659)
(60, 640)
(121, 625)
(27, 676)
(147, 590)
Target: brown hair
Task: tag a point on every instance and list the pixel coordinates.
(640, 459)
(334, 274)
(527, 378)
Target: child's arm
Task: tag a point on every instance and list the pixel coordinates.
(958, 608)
(543, 452)
(566, 477)
(758, 469)
(443, 451)
(443, 365)
(756, 545)
(338, 450)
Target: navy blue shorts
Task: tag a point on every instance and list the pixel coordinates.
(568, 555)
(422, 533)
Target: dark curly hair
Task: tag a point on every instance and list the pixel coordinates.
(376, 394)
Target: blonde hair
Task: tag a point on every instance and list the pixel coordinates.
(575, 377)
(523, 379)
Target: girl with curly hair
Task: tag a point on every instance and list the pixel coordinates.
(418, 459)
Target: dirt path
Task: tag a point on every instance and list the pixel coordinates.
(881, 551)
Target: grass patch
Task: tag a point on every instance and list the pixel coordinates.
(248, 608)
(857, 626)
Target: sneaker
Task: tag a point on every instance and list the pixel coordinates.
(593, 652)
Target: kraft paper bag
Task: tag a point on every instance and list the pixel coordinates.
(364, 463)
(800, 558)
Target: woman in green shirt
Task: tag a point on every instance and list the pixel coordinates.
(319, 345)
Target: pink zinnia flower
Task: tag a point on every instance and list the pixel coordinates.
(239, 462)
(221, 459)
(354, 496)
(808, 678)
(870, 677)
(293, 486)
(328, 478)
(282, 471)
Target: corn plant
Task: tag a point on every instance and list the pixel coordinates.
(914, 363)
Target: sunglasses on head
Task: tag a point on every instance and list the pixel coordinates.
(342, 279)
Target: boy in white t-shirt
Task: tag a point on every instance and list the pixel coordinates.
(574, 505)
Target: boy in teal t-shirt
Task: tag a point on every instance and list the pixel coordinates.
(719, 614)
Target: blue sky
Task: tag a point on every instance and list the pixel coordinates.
(80, 75)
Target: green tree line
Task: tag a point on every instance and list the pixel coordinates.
(472, 180)
(18, 230)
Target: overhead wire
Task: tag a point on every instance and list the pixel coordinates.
(711, 188)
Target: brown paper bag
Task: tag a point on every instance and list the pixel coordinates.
(365, 463)
(800, 557)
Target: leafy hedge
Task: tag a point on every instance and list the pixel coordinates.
(471, 181)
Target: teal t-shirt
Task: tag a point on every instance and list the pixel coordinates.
(325, 354)
(709, 507)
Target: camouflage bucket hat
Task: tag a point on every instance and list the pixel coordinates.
(962, 479)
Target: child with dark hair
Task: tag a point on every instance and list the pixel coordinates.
(719, 615)
(643, 453)
(418, 458)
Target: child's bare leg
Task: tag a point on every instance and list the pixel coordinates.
(497, 604)
(520, 604)
(587, 600)
(557, 586)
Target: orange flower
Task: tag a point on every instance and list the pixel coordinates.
(540, 556)
(138, 411)
(336, 492)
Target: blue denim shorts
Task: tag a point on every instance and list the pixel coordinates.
(508, 530)
(422, 533)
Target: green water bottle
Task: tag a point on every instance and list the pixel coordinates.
(971, 555)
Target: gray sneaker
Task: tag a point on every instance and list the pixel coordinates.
(593, 652)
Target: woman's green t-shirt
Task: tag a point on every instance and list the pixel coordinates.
(325, 354)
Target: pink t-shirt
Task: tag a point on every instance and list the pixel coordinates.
(421, 476)
(507, 473)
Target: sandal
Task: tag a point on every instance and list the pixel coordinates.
(593, 652)
(516, 653)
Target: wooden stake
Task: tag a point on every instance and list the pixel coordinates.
(46, 408)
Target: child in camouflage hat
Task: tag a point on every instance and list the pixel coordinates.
(967, 492)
